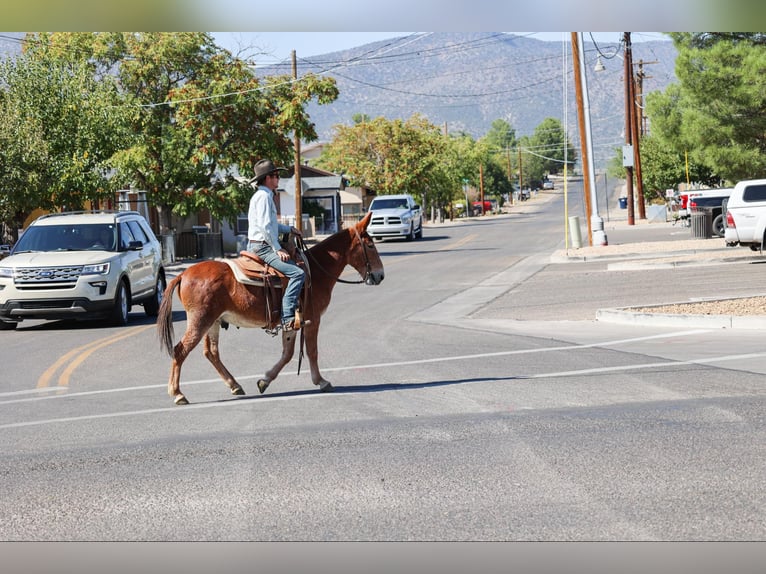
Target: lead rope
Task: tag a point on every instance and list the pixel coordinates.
(306, 298)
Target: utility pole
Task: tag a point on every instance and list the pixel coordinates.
(627, 160)
(581, 126)
(297, 176)
(508, 157)
(481, 187)
(636, 150)
(597, 234)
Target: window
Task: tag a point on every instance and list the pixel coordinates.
(138, 232)
(126, 236)
(754, 193)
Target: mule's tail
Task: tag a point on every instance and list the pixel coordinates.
(165, 316)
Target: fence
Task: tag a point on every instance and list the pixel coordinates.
(191, 245)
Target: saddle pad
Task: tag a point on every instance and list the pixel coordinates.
(240, 275)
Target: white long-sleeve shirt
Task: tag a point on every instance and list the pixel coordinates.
(262, 222)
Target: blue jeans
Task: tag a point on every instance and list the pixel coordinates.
(296, 276)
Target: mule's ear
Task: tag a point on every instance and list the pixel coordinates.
(362, 225)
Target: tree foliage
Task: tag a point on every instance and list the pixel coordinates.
(544, 152)
(59, 125)
(717, 111)
(183, 117)
(389, 156)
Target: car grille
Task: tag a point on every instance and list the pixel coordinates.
(382, 220)
(46, 277)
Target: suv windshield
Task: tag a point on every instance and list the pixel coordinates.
(91, 237)
(389, 204)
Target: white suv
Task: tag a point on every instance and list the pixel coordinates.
(82, 265)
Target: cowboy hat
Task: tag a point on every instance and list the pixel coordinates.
(264, 168)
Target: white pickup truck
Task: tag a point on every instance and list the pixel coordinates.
(746, 215)
(395, 216)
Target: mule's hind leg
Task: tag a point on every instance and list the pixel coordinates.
(180, 352)
(192, 337)
(212, 355)
(288, 349)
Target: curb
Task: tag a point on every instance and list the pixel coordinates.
(629, 316)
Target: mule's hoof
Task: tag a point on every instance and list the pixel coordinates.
(239, 391)
(326, 387)
(263, 385)
(181, 400)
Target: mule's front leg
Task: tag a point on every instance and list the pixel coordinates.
(288, 349)
(312, 351)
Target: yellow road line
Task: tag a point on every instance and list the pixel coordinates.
(84, 352)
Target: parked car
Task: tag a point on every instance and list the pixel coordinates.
(746, 214)
(5, 251)
(487, 207)
(548, 184)
(82, 265)
(714, 201)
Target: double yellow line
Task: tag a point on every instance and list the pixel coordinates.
(75, 357)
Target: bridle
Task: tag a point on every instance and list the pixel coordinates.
(368, 267)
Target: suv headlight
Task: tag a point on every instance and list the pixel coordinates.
(6, 272)
(97, 269)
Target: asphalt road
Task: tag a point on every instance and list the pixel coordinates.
(477, 399)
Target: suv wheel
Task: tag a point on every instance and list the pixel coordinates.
(152, 306)
(120, 310)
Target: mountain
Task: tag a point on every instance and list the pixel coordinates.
(466, 80)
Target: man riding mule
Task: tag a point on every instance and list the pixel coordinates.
(212, 295)
(263, 239)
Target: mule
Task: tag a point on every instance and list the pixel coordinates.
(212, 296)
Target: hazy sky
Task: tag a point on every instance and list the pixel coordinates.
(272, 47)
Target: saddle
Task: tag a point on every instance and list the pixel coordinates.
(249, 269)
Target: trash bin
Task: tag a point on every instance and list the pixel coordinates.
(623, 203)
(702, 223)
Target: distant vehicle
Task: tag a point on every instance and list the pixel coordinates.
(395, 216)
(547, 184)
(488, 206)
(82, 265)
(746, 215)
(714, 202)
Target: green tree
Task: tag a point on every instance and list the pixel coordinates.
(501, 136)
(389, 156)
(717, 111)
(59, 125)
(195, 113)
(549, 145)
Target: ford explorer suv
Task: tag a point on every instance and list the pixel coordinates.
(395, 216)
(746, 214)
(82, 265)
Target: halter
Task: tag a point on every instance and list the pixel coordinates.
(368, 268)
